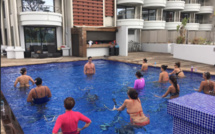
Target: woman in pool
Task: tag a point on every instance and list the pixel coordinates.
(164, 76)
(23, 79)
(134, 109)
(140, 82)
(144, 65)
(68, 121)
(173, 89)
(40, 94)
(177, 71)
(207, 85)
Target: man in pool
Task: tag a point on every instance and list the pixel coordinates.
(144, 65)
(68, 122)
(23, 79)
(89, 67)
(207, 85)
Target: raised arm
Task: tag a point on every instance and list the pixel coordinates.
(172, 72)
(31, 80)
(167, 92)
(201, 87)
(17, 80)
(122, 107)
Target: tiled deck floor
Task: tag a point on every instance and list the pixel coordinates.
(136, 57)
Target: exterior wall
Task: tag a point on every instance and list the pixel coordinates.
(159, 48)
(154, 36)
(97, 52)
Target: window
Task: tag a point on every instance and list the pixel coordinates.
(38, 5)
(125, 12)
(148, 14)
(199, 19)
(131, 32)
(41, 36)
(168, 16)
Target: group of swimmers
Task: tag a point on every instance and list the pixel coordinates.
(68, 122)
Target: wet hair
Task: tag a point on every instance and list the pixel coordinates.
(207, 75)
(38, 81)
(133, 93)
(139, 74)
(89, 57)
(23, 70)
(69, 103)
(145, 60)
(164, 67)
(174, 81)
(178, 64)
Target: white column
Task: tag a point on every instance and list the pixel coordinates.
(19, 51)
(63, 21)
(10, 48)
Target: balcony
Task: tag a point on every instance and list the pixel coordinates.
(192, 7)
(172, 25)
(44, 15)
(159, 24)
(205, 27)
(131, 23)
(192, 26)
(206, 10)
(130, 2)
(154, 4)
(175, 5)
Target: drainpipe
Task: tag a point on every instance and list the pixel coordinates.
(2, 26)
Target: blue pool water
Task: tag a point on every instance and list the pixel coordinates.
(92, 95)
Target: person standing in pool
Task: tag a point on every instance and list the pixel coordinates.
(173, 89)
(207, 85)
(40, 94)
(139, 83)
(89, 67)
(177, 71)
(23, 79)
(134, 109)
(144, 65)
(68, 122)
(164, 76)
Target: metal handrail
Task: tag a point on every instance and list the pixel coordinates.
(40, 8)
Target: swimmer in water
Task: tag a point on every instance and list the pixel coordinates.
(207, 85)
(89, 67)
(140, 82)
(40, 94)
(164, 76)
(134, 109)
(23, 79)
(177, 71)
(173, 89)
(144, 65)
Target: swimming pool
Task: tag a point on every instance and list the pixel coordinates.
(92, 95)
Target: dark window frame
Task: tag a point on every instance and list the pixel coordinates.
(125, 9)
(144, 9)
(36, 11)
(40, 27)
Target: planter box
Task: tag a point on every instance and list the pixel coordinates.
(197, 53)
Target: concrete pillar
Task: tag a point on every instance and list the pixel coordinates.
(19, 51)
(10, 48)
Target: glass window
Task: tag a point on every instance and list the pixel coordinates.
(168, 16)
(131, 32)
(38, 5)
(148, 14)
(125, 12)
(40, 36)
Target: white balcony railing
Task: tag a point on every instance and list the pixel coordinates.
(175, 5)
(131, 23)
(172, 25)
(206, 10)
(205, 27)
(41, 18)
(192, 7)
(130, 2)
(154, 3)
(154, 25)
(192, 26)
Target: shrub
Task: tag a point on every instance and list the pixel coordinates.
(199, 41)
(180, 40)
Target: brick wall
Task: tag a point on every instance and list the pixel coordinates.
(109, 8)
(88, 12)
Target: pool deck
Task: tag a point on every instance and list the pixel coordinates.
(136, 57)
